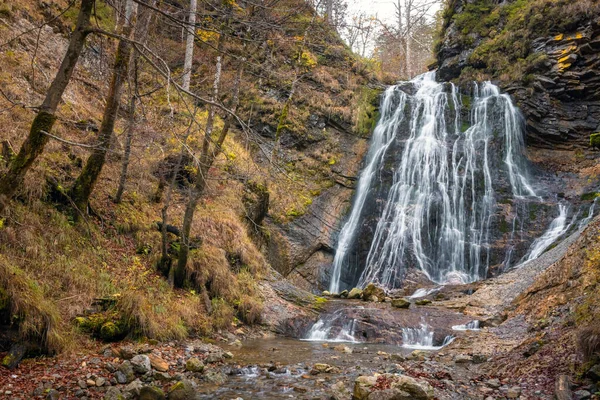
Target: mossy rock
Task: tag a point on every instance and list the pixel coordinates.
(400, 303)
(423, 302)
(355, 293)
(111, 332)
(151, 393)
(595, 140)
(182, 390)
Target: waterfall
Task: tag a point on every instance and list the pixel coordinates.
(557, 228)
(440, 205)
(421, 338)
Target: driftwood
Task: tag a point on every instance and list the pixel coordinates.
(562, 389)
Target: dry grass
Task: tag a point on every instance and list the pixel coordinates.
(588, 340)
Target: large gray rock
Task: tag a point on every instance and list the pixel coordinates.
(183, 390)
(400, 387)
(141, 364)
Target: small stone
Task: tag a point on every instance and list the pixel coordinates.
(158, 363)
(163, 377)
(141, 364)
(126, 352)
(493, 383)
(423, 302)
(214, 358)
(90, 382)
(151, 393)
(125, 374)
(113, 393)
(300, 389)
(463, 359)
(38, 391)
(183, 390)
(237, 343)
(82, 384)
(52, 394)
(326, 293)
(215, 377)
(134, 388)
(344, 294)
(400, 303)
(479, 358)
(194, 365)
(228, 354)
(100, 382)
(513, 392)
(582, 395)
(343, 349)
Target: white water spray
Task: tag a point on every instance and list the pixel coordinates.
(439, 209)
(557, 228)
(421, 338)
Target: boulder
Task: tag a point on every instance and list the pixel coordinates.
(344, 294)
(194, 365)
(141, 364)
(400, 303)
(112, 393)
(151, 393)
(371, 290)
(158, 363)
(324, 368)
(125, 374)
(355, 293)
(398, 387)
(183, 390)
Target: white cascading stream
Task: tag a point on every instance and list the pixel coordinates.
(383, 135)
(421, 338)
(558, 227)
(440, 206)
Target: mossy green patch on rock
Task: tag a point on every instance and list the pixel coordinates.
(595, 140)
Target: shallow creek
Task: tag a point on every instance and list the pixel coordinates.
(280, 367)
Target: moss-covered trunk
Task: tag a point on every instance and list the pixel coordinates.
(84, 185)
(43, 122)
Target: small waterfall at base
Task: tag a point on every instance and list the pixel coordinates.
(431, 184)
(471, 326)
(421, 338)
(332, 328)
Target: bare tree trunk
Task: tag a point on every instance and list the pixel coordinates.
(407, 44)
(44, 121)
(140, 35)
(165, 260)
(84, 185)
(329, 11)
(189, 46)
(207, 157)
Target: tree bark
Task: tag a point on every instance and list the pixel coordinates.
(189, 46)
(140, 35)
(84, 185)
(44, 121)
(207, 158)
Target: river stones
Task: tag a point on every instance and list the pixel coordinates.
(373, 293)
(355, 293)
(400, 303)
(389, 386)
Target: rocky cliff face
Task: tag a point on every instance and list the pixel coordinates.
(546, 54)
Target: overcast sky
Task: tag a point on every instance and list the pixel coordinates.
(383, 8)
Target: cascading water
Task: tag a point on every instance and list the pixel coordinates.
(421, 338)
(471, 326)
(332, 328)
(557, 228)
(440, 206)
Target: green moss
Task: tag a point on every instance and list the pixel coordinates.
(319, 303)
(595, 140)
(590, 196)
(366, 111)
